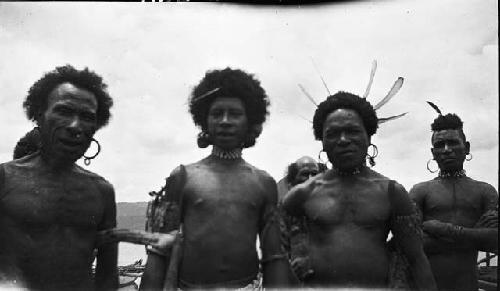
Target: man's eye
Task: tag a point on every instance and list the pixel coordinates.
(215, 113)
(64, 110)
(236, 112)
(88, 117)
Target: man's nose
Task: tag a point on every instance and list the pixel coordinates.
(225, 118)
(447, 147)
(343, 138)
(75, 126)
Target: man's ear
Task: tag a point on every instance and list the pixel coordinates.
(433, 154)
(467, 148)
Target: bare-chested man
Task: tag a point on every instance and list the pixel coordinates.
(50, 208)
(350, 209)
(226, 202)
(452, 205)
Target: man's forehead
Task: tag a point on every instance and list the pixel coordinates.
(227, 102)
(303, 167)
(447, 134)
(70, 92)
(344, 116)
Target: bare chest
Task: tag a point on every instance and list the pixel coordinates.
(40, 202)
(234, 193)
(453, 201)
(334, 205)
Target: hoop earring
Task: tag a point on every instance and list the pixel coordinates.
(371, 158)
(86, 159)
(468, 157)
(428, 168)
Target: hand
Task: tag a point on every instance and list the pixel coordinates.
(163, 241)
(301, 267)
(435, 227)
(488, 220)
(443, 230)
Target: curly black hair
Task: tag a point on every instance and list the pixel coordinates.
(448, 121)
(347, 101)
(36, 101)
(231, 83)
(28, 144)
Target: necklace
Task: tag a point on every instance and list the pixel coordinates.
(233, 154)
(452, 174)
(350, 172)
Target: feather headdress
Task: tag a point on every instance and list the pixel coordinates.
(392, 92)
(434, 106)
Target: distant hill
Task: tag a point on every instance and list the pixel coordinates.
(131, 215)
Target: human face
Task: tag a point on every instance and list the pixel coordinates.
(305, 171)
(227, 122)
(345, 139)
(449, 149)
(69, 122)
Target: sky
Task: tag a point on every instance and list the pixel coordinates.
(151, 55)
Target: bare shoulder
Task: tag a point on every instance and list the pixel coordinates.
(105, 187)
(262, 176)
(383, 182)
(27, 162)
(489, 194)
(484, 187)
(398, 196)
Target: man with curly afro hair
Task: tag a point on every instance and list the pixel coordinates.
(460, 214)
(52, 209)
(226, 202)
(350, 209)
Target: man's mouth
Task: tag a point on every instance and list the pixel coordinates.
(225, 134)
(71, 142)
(346, 152)
(448, 160)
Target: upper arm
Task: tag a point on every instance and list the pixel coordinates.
(109, 216)
(401, 202)
(271, 190)
(293, 202)
(417, 194)
(489, 198)
(405, 223)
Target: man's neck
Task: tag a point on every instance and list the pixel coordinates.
(348, 172)
(228, 155)
(457, 173)
(54, 163)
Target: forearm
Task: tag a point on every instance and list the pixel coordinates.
(483, 239)
(275, 272)
(154, 273)
(421, 273)
(106, 277)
